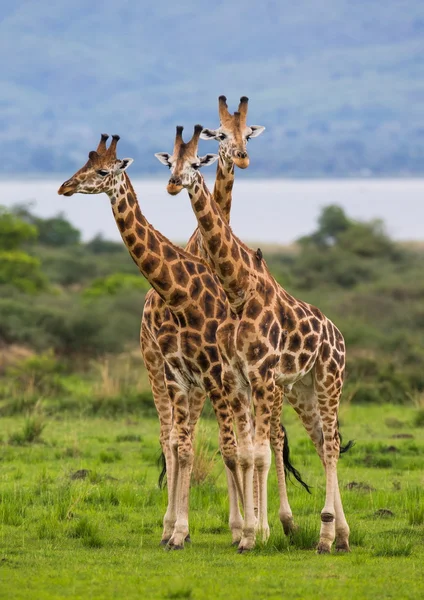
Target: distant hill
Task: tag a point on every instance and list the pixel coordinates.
(338, 84)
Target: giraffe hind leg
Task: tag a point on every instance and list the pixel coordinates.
(318, 413)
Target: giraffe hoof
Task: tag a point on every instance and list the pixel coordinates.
(243, 550)
(188, 539)
(290, 528)
(164, 542)
(171, 546)
(323, 548)
(342, 547)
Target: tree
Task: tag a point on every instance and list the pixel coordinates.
(14, 232)
(343, 251)
(54, 231)
(17, 268)
(57, 231)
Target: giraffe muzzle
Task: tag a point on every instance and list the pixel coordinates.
(241, 160)
(175, 185)
(65, 190)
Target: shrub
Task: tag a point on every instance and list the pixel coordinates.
(31, 432)
(37, 374)
(114, 284)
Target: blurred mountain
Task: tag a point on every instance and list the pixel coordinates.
(339, 84)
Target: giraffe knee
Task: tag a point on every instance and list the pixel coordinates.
(246, 458)
(230, 462)
(262, 457)
(185, 457)
(327, 517)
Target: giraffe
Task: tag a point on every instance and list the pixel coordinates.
(196, 304)
(276, 341)
(232, 136)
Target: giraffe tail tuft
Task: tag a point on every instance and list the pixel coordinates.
(288, 467)
(162, 476)
(347, 446)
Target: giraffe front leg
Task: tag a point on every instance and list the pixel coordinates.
(228, 449)
(185, 458)
(171, 511)
(235, 519)
(241, 409)
(154, 363)
(277, 444)
(263, 397)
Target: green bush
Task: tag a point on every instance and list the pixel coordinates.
(38, 373)
(14, 232)
(114, 284)
(22, 271)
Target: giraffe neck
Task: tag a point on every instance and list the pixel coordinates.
(223, 196)
(224, 181)
(235, 265)
(152, 252)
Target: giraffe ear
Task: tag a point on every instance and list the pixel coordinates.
(256, 130)
(125, 163)
(209, 134)
(208, 159)
(163, 157)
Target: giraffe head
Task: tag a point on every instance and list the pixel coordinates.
(233, 133)
(184, 161)
(100, 172)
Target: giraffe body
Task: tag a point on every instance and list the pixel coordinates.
(232, 136)
(274, 341)
(195, 305)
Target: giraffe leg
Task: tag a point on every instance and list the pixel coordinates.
(184, 456)
(235, 519)
(240, 404)
(277, 444)
(263, 395)
(171, 512)
(342, 528)
(318, 410)
(256, 493)
(154, 363)
(197, 399)
(333, 520)
(331, 448)
(228, 449)
(255, 478)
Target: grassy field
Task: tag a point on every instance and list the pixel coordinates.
(97, 537)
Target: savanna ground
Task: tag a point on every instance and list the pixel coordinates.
(81, 513)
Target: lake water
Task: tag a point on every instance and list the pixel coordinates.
(268, 210)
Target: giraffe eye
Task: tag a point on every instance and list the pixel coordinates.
(195, 166)
(222, 136)
(102, 172)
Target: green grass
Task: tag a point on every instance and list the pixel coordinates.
(96, 535)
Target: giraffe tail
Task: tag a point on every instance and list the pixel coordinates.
(162, 463)
(288, 467)
(347, 446)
